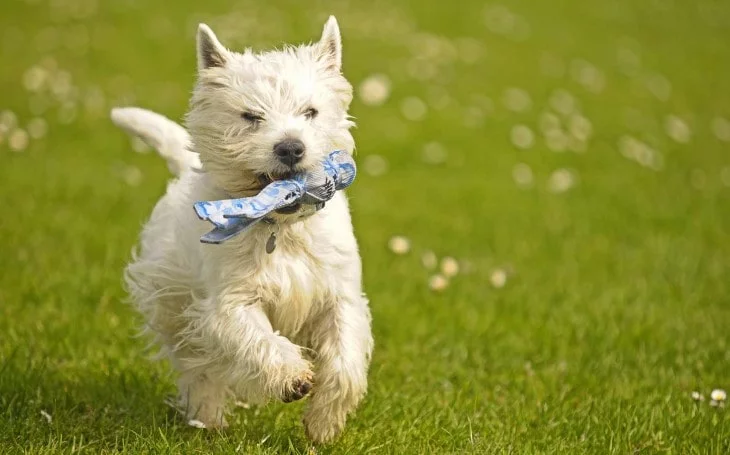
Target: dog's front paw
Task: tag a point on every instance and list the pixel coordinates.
(298, 389)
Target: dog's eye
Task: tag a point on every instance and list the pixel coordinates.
(252, 117)
(311, 113)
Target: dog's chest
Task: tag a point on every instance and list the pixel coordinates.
(291, 282)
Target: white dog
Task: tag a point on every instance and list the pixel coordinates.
(234, 320)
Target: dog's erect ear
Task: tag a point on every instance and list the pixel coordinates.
(330, 45)
(210, 51)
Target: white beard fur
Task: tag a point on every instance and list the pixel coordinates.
(235, 321)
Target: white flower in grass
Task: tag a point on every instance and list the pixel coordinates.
(718, 395)
(8, 119)
(522, 175)
(414, 109)
(498, 278)
(563, 102)
(374, 90)
(640, 152)
(588, 75)
(561, 181)
(580, 127)
(517, 100)
(37, 128)
(399, 245)
(132, 175)
(659, 86)
(522, 137)
(721, 128)
(697, 396)
(18, 140)
(35, 78)
(677, 129)
(548, 122)
(438, 283)
(434, 153)
(449, 267)
(375, 165)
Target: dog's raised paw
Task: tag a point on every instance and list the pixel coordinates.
(300, 388)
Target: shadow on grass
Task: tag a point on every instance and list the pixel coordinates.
(118, 408)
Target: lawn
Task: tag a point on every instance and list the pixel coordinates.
(574, 156)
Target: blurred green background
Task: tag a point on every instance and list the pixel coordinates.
(572, 156)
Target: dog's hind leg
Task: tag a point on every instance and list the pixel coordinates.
(202, 399)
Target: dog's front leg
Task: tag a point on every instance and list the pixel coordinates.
(343, 343)
(258, 353)
(234, 344)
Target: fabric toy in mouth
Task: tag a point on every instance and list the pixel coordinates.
(233, 216)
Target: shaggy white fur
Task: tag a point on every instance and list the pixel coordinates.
(234, 320)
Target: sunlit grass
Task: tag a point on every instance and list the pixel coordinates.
(573, 157)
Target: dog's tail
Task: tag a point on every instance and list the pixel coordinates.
(167, 137)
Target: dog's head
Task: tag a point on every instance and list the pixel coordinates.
(260, 116)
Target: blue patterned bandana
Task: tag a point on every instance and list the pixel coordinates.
(233, 216)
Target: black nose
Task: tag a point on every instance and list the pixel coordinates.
(289, 151)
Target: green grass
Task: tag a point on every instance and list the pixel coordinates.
(617, 307)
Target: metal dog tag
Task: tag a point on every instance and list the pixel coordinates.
(271, 243)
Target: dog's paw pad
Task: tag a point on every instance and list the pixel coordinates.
(299, 390)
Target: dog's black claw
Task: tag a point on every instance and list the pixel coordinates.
(299, 390)
(305, 388)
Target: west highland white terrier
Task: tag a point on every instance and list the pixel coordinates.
(235, 321)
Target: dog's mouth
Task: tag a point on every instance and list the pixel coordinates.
(289, 209)
(265, 179)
